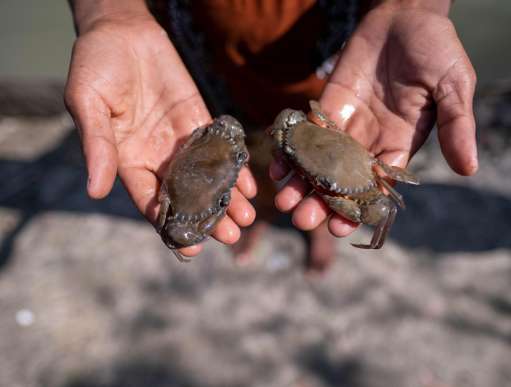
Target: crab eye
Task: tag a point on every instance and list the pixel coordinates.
(241, 157)
(295, 117)
(224, 199)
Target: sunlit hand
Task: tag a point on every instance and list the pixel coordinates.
(134, 102)
(401, 71)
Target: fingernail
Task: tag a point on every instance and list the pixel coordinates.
(400, 160)
(473, 167)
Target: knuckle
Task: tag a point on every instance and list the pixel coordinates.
(471, 74)
(449, 25)
(467, 79)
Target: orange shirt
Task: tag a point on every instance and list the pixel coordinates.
(263, 51)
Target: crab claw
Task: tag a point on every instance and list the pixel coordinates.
(398, 174)
(317, 116)
(381, 231)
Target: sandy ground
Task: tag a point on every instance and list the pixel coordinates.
(91, 297)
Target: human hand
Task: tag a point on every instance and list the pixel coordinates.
(133, 103)
(403, 69)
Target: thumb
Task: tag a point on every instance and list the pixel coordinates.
(92, 119)
(455, 117)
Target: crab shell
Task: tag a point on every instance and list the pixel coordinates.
(331, 160)
(198, 182)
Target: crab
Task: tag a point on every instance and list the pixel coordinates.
(196, 189)
(340, 170)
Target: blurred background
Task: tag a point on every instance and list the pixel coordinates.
(89, 295)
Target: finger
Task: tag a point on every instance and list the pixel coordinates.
(289, 196)
(240, 209)
(142, 186)
(226, 231)
(191, 250)
(92, 119)
(341, 227)
(246, 183)
(310, 213)
(397, 158)
(455, 118)
(278, 169)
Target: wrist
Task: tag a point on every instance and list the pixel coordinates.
(440, 7)
(87, 13)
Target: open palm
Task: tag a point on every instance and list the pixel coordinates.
(397, 76)
(134, 102)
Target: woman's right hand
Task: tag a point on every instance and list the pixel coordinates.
(133, 100)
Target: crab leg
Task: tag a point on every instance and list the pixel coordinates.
(180, 257)
(164, 208)
(398, 174)
(381, 231)
(318, 113)
(396, 196)
(344, 207)
(162, 217)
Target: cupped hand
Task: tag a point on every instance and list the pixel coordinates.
(401, 71)
(134, 103)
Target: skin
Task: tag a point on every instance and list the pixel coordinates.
(133, 102)
(403, 70)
